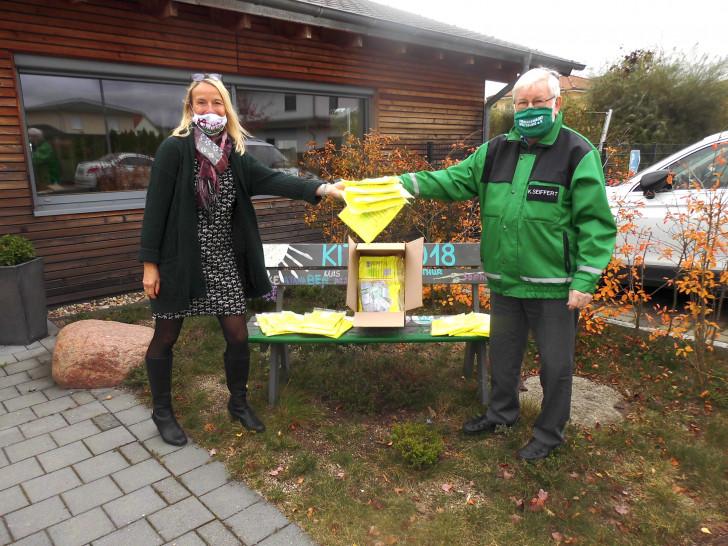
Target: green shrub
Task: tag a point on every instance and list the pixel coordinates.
(418, 444)
(15, 250)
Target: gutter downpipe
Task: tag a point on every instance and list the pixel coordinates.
(499, 95)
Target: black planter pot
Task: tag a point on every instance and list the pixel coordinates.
(23, 309)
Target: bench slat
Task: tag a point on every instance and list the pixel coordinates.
(326, 277)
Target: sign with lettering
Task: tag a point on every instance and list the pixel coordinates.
(326, 264)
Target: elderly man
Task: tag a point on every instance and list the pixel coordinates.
(45, 164)
(547, 235)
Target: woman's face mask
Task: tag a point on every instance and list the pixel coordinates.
(534, 122)
(210, 124)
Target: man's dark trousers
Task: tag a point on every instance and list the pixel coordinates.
(553, 326)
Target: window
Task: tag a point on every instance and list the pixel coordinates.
(267, 116)
(93, 128)
(94, 136)
(703, 168)
(290, 103)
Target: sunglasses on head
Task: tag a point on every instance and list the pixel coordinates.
(202, 76)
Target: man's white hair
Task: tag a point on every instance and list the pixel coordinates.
(536, 75)
(35, 132)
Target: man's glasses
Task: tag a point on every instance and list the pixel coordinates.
(538, 103)
(202, 76)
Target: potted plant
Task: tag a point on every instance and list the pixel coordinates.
(23, 310)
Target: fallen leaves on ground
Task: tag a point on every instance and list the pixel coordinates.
(538, 503)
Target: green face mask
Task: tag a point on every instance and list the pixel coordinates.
(534, 122)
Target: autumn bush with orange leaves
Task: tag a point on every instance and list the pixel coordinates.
(699, 245)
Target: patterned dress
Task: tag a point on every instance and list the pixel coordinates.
(225, 295)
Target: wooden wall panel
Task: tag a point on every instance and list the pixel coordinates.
(419, 97)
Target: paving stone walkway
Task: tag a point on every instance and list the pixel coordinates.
(88, 467)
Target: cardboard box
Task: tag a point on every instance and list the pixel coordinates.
(412, 253)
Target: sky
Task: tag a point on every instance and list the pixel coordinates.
(595, 34)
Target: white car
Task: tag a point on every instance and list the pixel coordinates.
(112, 172)
(656, 203)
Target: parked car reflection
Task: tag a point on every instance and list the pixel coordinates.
(114, 172)
(270, 156)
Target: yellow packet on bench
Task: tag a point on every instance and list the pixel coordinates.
(273, 324)
(346, 324)
(482, 325)
(321, 321)
(470, 324)
(444, 325)
(476, 324)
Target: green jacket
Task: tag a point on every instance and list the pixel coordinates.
(546, 223)
(169, 230)
(45, 163)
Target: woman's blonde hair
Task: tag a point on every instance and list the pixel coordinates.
(234, 130)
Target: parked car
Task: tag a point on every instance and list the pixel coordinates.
(667, 188)
(115, 172)
(270, 156)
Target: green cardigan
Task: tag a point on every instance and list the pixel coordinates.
(169, 235)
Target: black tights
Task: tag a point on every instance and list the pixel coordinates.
(166, 333)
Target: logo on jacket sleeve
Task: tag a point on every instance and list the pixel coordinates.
(547, 194)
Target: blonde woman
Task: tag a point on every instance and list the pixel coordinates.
(200, 245)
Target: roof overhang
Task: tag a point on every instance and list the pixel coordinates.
(316, 14)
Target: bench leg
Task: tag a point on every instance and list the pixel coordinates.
(273, 373)
(481, 352)
(470, 356)
(280, 365)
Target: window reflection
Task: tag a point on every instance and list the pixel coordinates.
(270, 117)
(92, 135)
(100, 135)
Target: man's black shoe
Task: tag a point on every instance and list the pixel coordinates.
(535, 450)
(479, 425)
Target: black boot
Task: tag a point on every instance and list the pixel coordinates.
(159, 372)
(236, 372)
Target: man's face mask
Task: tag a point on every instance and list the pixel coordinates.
(534, 122)
(210, 124)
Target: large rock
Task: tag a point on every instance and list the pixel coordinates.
(591, 402)
(90, 354)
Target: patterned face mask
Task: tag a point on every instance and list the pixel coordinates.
(210, 124)
(534, 122)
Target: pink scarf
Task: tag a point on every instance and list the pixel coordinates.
(213, 157)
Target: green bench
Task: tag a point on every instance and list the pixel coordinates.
(326, 264)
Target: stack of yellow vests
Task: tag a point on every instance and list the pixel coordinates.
(465, 324)
(371, 204)
(322, 322)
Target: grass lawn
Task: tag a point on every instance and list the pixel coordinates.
(330, 461)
